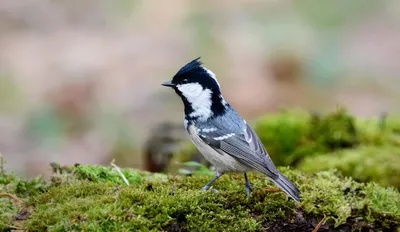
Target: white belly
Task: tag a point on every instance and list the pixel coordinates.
(220, 160)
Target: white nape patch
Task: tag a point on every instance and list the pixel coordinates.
(224, 136)
(223, 100)
(199, 98)
(211, 75)
(208, 130)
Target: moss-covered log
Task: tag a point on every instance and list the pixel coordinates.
(95, 198)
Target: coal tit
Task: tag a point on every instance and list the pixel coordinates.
(219, 133)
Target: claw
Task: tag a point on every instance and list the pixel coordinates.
(248, 191)
(209, 184)
(205, 189)
(247, 186)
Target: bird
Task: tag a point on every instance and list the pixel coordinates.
(221, 135)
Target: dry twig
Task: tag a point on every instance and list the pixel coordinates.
(319, 224)
(120, 172)
(11, 197)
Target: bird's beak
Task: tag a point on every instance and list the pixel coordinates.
(168, 84)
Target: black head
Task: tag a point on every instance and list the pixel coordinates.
(194, 72)
(199, 90)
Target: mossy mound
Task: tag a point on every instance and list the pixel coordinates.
(95, 198)
(292, 136)
(365, 164)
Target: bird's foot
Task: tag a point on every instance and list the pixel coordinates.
(248, 189)
(205, 188)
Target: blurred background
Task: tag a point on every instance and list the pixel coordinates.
(80, 80)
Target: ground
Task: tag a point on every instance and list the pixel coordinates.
(96, 198)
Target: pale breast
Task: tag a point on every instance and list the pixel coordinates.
(223, 162)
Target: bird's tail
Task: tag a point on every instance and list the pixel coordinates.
(288, 187)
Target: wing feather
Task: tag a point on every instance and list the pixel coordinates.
(245, 146)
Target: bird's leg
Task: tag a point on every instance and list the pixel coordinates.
(208, 185)
(247, 186)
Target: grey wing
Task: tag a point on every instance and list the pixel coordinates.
(256, 144)
(245, 146)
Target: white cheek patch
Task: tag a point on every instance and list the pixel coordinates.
(199, 98)
(191, 91)
(211, 75)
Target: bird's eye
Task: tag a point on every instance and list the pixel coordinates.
(185, 80)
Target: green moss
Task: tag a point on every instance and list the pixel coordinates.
(18, 187)
(152, 206)
(7, 213)
(108, 174)
(365, 164)
(291, 136)
(94, 198)
(334, 131)
(382, 132)
(346, 198)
